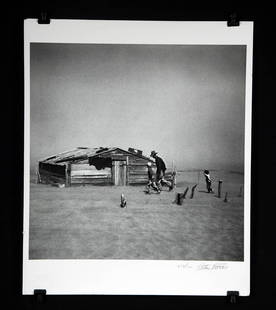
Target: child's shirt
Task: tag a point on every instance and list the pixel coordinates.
(207, 177)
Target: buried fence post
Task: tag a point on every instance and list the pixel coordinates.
(193, 190)
(123, 201)
(179, 199)
(225, 198)
(185, 193)
(219, 188)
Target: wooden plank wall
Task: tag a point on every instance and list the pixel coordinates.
(52, 173)
(138, 171)
(83, 173)
(118, 171)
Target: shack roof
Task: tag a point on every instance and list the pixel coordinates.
(82, 153)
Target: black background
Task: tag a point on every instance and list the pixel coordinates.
(263, 259)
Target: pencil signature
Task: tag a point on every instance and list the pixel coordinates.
(215, 266)
(204, 266)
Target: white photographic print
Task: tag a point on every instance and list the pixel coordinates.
(137, 157)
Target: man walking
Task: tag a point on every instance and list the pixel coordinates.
(160, 171)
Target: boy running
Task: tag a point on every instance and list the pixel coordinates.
(151, 181)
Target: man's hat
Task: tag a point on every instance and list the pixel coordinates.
(153, 153)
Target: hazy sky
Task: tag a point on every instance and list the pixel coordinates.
(185, 102)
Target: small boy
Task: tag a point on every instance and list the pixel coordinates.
(151, 181)
(208, 181)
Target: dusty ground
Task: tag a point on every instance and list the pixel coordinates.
(87, 222)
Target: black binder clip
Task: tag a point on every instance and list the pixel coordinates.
(44, 18)
(233, 20)
(232, 296)
(40, 296)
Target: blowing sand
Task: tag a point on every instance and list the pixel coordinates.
(87, 222)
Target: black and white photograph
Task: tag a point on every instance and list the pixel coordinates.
(137, 123)
(137, 152)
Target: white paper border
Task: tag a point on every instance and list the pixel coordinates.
(138, 277)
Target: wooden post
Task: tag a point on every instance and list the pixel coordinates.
(225, 198)
(38, 177)
(123, 201)
(193, 190)
(219, 188)
(179, 198)
(185, 193)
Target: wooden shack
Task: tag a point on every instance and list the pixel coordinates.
(96, 166)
